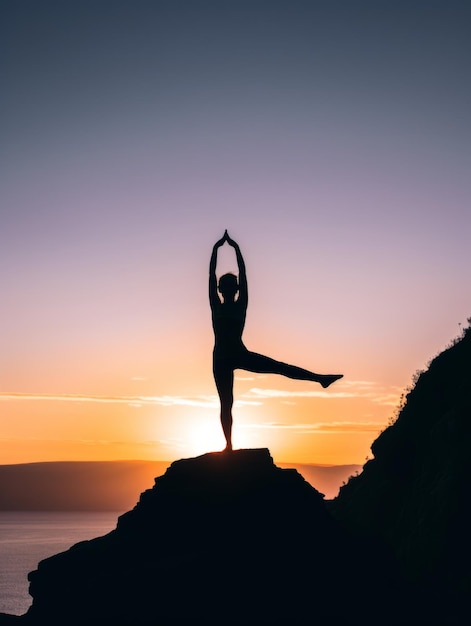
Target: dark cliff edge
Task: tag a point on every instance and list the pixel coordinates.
(220, 539)
(414, 494)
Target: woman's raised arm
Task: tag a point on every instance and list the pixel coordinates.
(243, 290)
(213, 288)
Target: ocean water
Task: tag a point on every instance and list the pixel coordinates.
(27, 537)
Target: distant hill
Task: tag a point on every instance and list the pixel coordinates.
(76, 486)
(112, 485)
(326, 479)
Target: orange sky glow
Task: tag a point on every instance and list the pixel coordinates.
(294, 419)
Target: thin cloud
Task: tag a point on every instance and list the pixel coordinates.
(320, 427)
(349, 389)
(208, 402)
(197, 401)
(90, 442)
(254, 397)
(356, 383)
(281, 393)
(391, 399)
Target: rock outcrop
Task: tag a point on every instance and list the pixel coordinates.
(220, 539)
(414, 494)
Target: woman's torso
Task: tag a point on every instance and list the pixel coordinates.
(228, 326)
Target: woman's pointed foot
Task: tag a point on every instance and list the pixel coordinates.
(328, 379)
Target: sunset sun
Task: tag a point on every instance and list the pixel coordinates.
(204, 435)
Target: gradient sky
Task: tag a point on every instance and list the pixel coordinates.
(332, 140)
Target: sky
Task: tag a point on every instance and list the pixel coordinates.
(331, 139)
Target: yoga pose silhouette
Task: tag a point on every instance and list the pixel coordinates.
(229, 351)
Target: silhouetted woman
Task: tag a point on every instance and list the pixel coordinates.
(229, 351)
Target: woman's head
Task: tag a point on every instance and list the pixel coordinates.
(228, 286)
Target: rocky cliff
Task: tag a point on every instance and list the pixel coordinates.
(414, 494)
(220, 539)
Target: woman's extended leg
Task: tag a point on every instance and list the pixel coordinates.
(254, 362)
(224, 378)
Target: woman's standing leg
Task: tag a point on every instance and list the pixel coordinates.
(224, 378)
